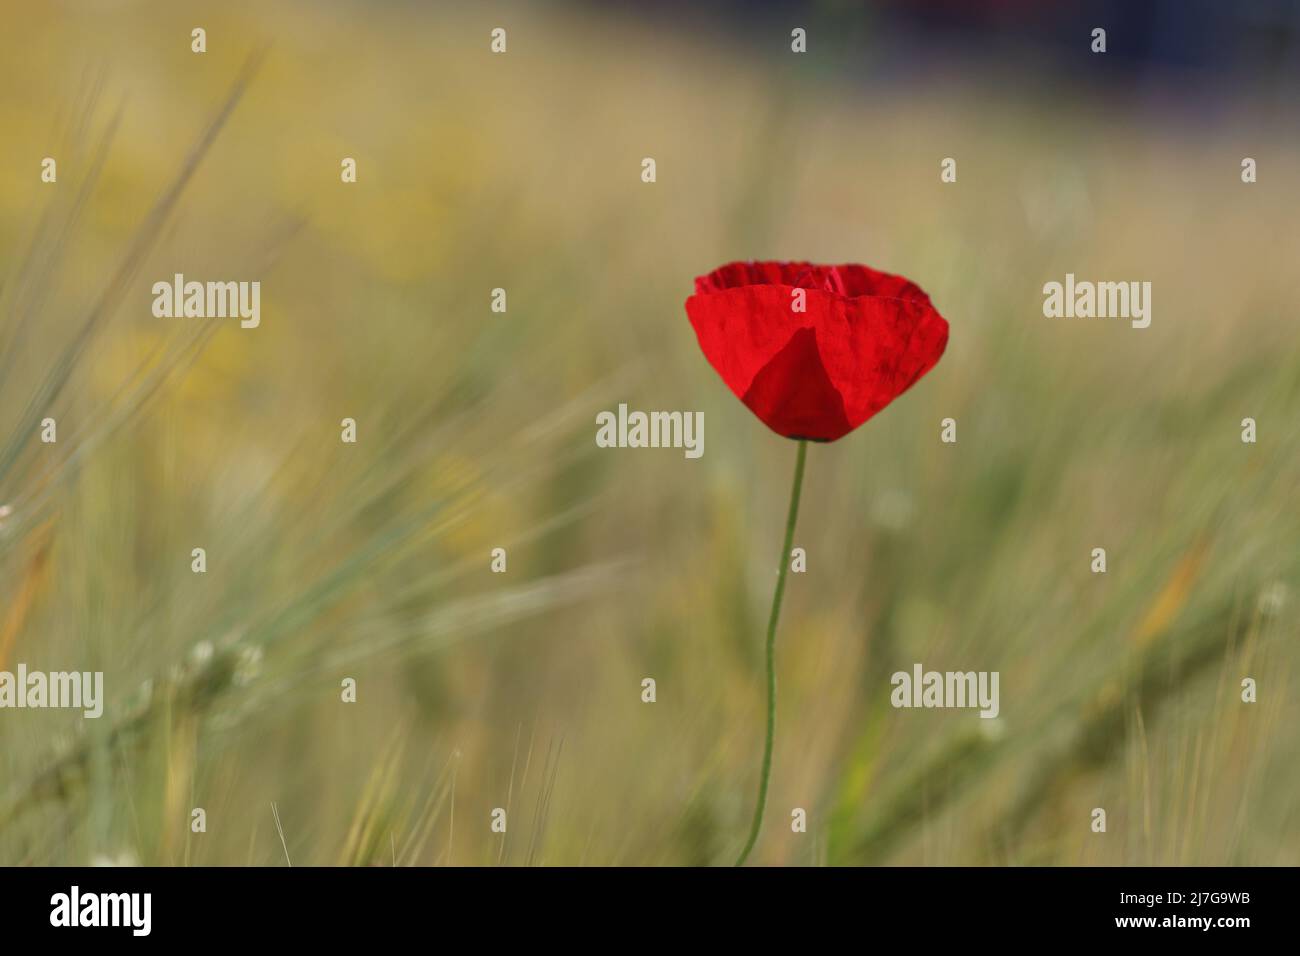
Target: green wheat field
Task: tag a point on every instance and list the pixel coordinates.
(522, 690)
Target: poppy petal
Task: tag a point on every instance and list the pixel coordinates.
(863, 338)
(793, 395)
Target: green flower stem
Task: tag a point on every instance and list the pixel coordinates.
(771, 651)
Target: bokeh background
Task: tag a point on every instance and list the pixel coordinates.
(476, 430)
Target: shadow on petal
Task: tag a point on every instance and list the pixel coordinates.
(794, 396)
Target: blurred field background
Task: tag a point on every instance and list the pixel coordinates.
(476, 430)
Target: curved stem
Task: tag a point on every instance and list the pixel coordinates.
(771, 652)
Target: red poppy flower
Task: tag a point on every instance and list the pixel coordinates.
(863, 338)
